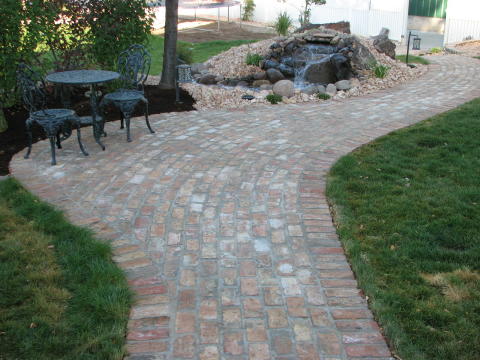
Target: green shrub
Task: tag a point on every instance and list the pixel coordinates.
(18, 41)
(435, 50)
(273, 98)
(248, 10)
(323, 96)
(253, 59)
(185, 52)
(115, 25)
(283, 23)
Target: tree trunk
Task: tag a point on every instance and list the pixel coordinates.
(170, 47)
(3, 121)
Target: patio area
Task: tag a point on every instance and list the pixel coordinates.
(221, 222)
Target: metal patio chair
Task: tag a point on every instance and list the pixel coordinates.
(133, 65)
(57, 123)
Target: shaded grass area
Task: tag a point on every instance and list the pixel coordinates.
(407, 208)
(412, 59)
(61, 296)
(201, 51)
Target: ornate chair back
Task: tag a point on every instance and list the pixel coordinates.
(133, 65)
(32, 88)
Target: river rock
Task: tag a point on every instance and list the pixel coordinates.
(261, 75)
(208, 79)
(284, 88)
(270, 64)
(355, 83)
(288, 71)
(242, 83)
(343, 85)
(197, 68)
(258, 83)
(331, 90)
(266, 87)
(310, 90)
(274, 75)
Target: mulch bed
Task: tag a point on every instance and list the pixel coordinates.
(14, 139)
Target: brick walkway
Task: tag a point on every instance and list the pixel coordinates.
(221, 222)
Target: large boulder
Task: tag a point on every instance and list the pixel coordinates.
(342, 67)
(321, 72)
(274, 75)
(284, 88)
(361, 58)
(383, 44)
(329, 70)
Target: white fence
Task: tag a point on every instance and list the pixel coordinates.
(463, 21)
(457, 30)
(366, 17)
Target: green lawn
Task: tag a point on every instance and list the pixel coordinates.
(61, 296)
(407, 207)
(413, 59)
(201, 51)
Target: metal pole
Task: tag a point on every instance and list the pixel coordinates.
(408, 46)
(218, 20)
(177, 88)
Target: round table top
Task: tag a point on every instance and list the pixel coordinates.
(82, 77)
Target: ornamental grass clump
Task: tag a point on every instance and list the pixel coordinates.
(283, 23)
(381, 71)
(253, 59)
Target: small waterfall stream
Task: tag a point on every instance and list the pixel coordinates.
(307, 55)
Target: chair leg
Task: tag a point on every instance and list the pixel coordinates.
(146, 119)
(82, 148)
(52, 146)
(29, 139)
(121, 120)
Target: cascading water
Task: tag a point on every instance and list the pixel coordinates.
(308, 55)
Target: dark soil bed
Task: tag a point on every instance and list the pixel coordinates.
(14, 139)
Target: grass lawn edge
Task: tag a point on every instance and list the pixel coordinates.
(94, 323)
(345, 222)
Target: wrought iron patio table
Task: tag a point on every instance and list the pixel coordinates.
(91, 78)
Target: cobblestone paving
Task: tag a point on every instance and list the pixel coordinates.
(221, 221)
